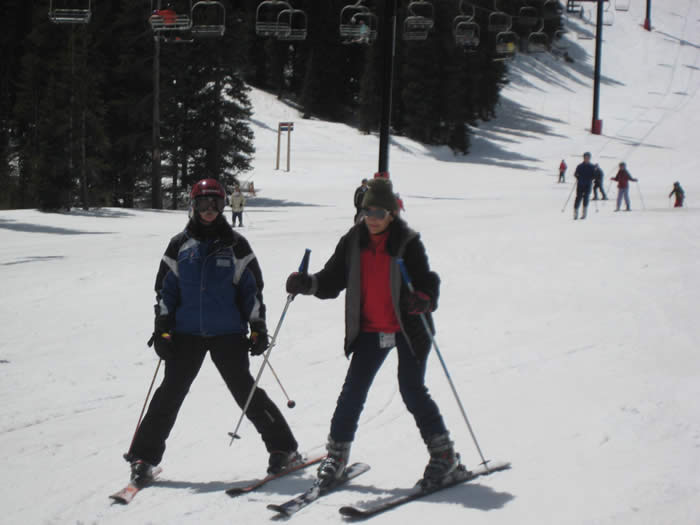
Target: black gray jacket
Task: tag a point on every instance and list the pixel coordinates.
(342, 271)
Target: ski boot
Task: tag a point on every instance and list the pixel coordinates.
(280, 460)
(585, 212)
(575, 213)
(141, 473)
(443, 461)
(333, 466)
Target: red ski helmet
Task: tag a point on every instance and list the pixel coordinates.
(207, 188)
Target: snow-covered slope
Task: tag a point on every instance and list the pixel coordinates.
(573, 345)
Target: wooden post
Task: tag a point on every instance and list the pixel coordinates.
(288, 127)
(279, 133)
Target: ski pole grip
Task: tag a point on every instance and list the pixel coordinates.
(404, 273)
(304, 266)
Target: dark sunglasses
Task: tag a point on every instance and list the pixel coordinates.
(202, 204)
(377, 213)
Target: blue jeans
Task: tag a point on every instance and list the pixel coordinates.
(366, 360)
(623, 193)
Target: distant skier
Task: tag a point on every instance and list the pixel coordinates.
(208, 290)
(598, 176)
(679, 193)
(623, 179)
(380, 314)
(562, 171)
(237, 205)
(584, 179)
(357, 199)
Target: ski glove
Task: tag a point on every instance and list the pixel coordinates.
(259, 339)
(162, 339)
(416, 303)
(299, 283)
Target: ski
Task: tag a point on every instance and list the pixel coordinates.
(305, 462)
(125, 495)
(462, 475)
(304, 499)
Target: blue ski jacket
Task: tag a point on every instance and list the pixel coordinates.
(210, 284)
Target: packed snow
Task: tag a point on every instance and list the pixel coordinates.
(573, 345)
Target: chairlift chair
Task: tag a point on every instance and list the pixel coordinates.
(467, 34)
(208, 19)
(419, 21)
(177, 17)
(559, 43)
(538, 41)
(358, 25)
(551, 9)
(293, 24)
(267, 18)
(500, 22)
(70, 11)
(527, 16)
(506, 45)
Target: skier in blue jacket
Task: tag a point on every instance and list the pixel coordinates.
(209, 290)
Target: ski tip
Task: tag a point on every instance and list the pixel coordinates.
(351, 512)
(278, 509)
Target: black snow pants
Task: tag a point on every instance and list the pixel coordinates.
(230, 355)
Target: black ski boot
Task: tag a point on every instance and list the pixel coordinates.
(280, 460)
(141, 473)
(333, 466)
(443, 460)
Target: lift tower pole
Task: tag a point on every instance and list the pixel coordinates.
(388, 32)
(597, 124)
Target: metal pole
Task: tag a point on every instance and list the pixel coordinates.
(145, 403)
(156, 192)
(388, 33)
(409, 284)
(647, 20)
(596, 124)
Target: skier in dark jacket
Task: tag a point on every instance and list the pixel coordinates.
(598, 183)
(585, 172)
(208, 290)
(357, 199)
(380, 314)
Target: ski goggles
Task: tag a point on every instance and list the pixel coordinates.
(202, 204)
(375, 213)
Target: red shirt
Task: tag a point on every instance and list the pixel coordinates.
(377, 308)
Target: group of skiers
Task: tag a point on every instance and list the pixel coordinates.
(209, 298)
(590, 176)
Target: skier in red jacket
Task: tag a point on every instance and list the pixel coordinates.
(623, 179)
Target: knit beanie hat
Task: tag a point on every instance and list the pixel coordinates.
(380, 193)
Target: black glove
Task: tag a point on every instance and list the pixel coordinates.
(299, 283)
(162, 338)
(259, 339)
(416, 303)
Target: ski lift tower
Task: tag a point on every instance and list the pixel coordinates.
(388, 34)
(647, 20)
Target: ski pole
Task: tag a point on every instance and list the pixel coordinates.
(303, 267)
(290, 402)
(639, 189)
(569, 197)
(148, 395)
(409, 284)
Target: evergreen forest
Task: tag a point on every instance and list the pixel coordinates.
(118, 103)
